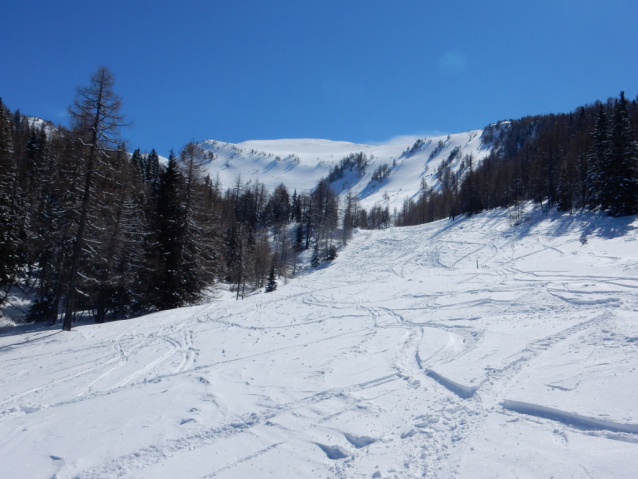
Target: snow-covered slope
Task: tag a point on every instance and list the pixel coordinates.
(301, 163)
(36, 123)
(467, 349)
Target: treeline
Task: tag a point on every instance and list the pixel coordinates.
(354, 162)
(586, 159)
(87, 227)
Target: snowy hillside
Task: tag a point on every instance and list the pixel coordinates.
(39, 124)
(467, 349)
(301, 163)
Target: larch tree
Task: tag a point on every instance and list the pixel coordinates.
(96, 120)
(197, 261)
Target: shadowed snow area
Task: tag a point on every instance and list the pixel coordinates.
(401, 358)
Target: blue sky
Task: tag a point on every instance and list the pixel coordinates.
(354, 70)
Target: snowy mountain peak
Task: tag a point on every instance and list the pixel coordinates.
(392, 172)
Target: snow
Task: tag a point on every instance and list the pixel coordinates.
(38, 123)
(16, 306)
(360, 368)
(301, 163)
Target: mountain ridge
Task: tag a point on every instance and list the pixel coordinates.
(300, 163)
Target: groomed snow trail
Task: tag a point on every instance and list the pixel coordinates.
(466, 349)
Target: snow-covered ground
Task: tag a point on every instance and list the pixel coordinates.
(467, 349)
(301, 163)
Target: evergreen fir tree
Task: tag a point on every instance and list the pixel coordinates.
(299, 237)
(196, 268)
(47, 243)
(598, 186)
(623, 161)
(170, 228)
(566, 188)
(331, 252)
(152, 170)
(250, 252)
(295, 208)
(119, 268)
(316, 257)
(17, 120)
(138, 161)
(8, 178)
(272, 281)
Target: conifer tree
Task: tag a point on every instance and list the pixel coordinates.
(196, 261)
(119, 268)
(349, 217)
(316, 257)
(272, 279)
(8, 179)
(152, 170)
(47, 236)
(599, 188)
(295, 208)
(235, 260)
(58, 218)
(169, 230)
(299, 237)
(262, 258)
(138, 161)
(250, 253)
(331, 252)
(566, 188)
(622, 163)
(97, 120)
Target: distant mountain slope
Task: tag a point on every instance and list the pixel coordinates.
(300, 163)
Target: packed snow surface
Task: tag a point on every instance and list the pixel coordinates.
(475, 348)
(301, 163)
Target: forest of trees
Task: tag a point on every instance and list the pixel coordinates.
(87, 227)
(587, 159)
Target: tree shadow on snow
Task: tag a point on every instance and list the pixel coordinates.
(587, 224)
(45, 330)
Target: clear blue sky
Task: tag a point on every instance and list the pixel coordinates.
(362, 71)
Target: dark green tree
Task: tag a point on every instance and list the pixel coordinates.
(170, 227)
(152, 170)
(623, 160)
(272, 279)
(331, 252)
(316, 257)
(9, 242)
(598, 187)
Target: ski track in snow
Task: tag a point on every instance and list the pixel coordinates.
(448, 350)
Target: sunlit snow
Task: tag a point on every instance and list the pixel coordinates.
(475, 348)
(301, 163)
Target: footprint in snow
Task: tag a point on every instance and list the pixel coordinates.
(333, 452)
(359, 441)
(409, 433)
